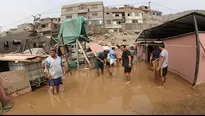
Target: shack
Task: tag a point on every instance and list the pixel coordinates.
(20, 41)
(24, 66)
(184, 38)
(73, 31)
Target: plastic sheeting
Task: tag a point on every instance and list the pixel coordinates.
(72, 29)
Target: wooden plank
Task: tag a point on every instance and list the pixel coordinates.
(15, 82)
(83, 52)
(78, 64)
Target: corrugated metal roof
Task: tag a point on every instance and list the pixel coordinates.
(22, 57)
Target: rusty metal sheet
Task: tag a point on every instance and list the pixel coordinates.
(15, 82)
(95, 47)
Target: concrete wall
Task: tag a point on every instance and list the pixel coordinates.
(201, 73)
(135, 26)
(182, 55)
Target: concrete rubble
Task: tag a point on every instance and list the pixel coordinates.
(115, 38)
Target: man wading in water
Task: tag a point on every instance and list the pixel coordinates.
(55, 70)
(126, 63)
(100, 62)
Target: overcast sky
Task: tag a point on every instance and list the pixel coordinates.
(15, 12)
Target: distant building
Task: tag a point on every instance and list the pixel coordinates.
(20, 28)
(128, 17)
(47, 25)
(25, 27)
(93, 11)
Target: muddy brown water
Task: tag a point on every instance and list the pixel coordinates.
(84, 93)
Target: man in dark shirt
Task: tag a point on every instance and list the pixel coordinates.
(154, 59)
(101, 59)
(126, 63)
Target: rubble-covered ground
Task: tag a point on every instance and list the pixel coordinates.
(115, 38)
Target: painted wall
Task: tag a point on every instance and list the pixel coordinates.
(182, 55)
(201, 73)
(139, 51)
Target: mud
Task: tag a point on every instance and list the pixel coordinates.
(84, 93)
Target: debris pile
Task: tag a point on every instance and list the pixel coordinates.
(113, 39)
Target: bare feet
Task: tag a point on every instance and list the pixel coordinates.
(128, 82)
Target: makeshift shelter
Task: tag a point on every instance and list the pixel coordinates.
(184, 38)
(73, 31)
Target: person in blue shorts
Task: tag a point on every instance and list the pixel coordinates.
(55, 70)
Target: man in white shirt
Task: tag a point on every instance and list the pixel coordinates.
(55, 70)
(163, 64)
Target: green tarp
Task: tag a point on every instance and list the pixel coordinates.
(72, 29)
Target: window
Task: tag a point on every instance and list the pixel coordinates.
(134, 21)
(95, 14)
(108, 13)
(108, 21)
(84, 15)
(94, 6)
(82, 7)
(44, 25)
(128, 14)
(6, 44)
(68, 17)
(69, 9)
(117, 15)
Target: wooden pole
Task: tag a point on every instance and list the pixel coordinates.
(78, 64)
(66, 57)
(83, 51)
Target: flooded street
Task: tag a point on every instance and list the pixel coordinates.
(84, 93)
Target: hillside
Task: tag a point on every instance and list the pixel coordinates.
(177, 15)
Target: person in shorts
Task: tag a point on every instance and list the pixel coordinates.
(101, 60)
(55, 70)
(119, 54)
(126, 63)
(112, 55)
(163, 64)
(154, 60)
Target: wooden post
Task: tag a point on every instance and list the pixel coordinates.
(66, 57)
(83, 51)
(78, 64)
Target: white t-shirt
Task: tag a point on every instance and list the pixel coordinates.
(55, 67)
(164, 53)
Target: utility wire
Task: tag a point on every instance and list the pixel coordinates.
(165, 7)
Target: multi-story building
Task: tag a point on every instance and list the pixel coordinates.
(127, 17)
(93, 11)
(47, 25)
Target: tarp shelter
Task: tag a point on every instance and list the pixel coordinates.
(72, 29)
(184, 38)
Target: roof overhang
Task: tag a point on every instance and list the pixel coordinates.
(179, 26)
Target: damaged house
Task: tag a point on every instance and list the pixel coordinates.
(20, 41)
